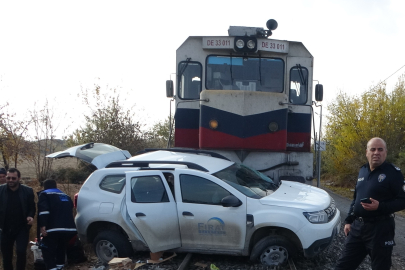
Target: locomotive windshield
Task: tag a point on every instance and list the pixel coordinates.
(244, 73)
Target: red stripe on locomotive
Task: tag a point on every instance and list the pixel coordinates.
(214, 139)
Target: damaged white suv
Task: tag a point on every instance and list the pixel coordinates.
(196, 201)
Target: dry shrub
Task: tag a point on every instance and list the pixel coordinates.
(348, 181)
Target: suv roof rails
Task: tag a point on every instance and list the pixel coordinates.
(154, 169)
(145, 164)
(184, 150)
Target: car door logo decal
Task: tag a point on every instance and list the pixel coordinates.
(214, 226)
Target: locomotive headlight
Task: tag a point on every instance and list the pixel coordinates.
(245, 44)
(273, 126)
(240, 43)
(251, 44)
(213, 124)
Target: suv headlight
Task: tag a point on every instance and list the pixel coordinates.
(316, 217)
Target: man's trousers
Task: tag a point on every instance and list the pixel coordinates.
(375, 239)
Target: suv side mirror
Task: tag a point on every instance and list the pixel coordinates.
(169, 88)
(230, 201)
(319, 92)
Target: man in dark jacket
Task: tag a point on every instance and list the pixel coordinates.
(370, 225)
(56, 223)
(17, 211)
(3, 174)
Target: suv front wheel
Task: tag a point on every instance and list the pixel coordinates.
(110, 244)
(273, 250)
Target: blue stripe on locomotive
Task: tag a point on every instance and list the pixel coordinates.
(243, 126)
(187, 118)
(299, 122)
(254, 125)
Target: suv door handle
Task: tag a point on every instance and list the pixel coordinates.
(188, 214)
(140, 215)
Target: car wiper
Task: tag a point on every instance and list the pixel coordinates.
(260, 70)
(184, 68)
(231, 67)
(302, 77)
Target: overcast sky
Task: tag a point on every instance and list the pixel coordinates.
(53, 49)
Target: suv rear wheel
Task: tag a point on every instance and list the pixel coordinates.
(273, 250)
(110, 244)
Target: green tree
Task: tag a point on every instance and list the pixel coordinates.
(158, 135)
(108, 122)
(352, 121)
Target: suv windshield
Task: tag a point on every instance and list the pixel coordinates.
(248, 181)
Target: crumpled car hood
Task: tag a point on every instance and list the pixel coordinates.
(297, 195)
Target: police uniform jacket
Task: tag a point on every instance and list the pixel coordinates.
(26, 195)
(55, 211)
(384, 184)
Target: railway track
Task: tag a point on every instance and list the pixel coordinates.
(185, 264)
(291, 264)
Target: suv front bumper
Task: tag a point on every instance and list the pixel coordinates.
(321, 244)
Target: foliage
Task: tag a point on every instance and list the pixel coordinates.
(352, 121)
(108, 122)
(12, 138)
(158, 135)
(73, 175)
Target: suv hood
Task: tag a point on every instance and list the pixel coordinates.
(297, 195)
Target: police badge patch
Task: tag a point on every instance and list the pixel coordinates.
(381, 177)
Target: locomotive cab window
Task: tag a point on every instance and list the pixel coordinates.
(189, 80)
(244, 73)
(298, 85)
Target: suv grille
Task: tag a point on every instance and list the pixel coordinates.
(331, 210)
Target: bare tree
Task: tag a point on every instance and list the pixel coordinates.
(42, 141)
(12, 138)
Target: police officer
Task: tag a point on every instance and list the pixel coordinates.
(370, 226)
(56, 223)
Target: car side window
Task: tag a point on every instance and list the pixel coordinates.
(148, 189)
(113, 183)
(199, 190)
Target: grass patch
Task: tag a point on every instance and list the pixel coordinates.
(342, 191)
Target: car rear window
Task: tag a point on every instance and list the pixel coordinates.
(113, 183)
